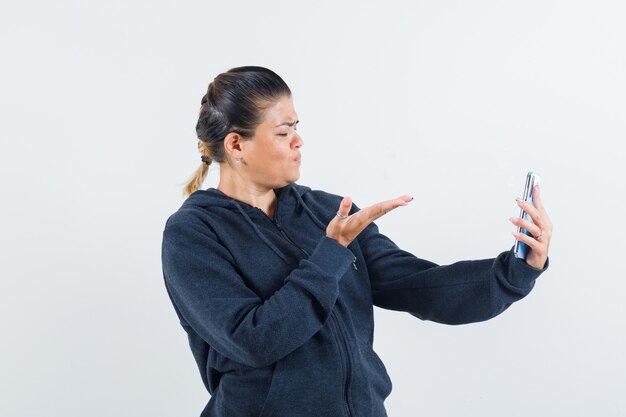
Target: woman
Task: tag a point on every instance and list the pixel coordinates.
(275, 282)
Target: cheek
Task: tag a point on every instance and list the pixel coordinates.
(282, 153)
(273, 152)
(276, 155)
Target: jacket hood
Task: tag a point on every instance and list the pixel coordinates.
(289, 197)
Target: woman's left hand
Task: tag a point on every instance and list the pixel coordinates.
(542, 227)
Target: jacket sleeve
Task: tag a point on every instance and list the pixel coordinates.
(463, 292)
(204, 284)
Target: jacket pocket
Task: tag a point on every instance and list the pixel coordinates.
(309, 382)
(274, 391)
(382, 381)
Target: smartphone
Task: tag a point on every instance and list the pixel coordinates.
(521, 249)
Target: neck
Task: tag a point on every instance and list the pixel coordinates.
(248, 192)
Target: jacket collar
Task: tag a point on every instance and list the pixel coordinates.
(289, 199)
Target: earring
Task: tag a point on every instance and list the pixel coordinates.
(238, 160)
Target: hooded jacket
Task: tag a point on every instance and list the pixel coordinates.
(279, 317)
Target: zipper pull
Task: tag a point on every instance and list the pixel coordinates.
(354, 263)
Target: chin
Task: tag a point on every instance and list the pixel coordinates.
(293, 178)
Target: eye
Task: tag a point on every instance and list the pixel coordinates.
(282, 134)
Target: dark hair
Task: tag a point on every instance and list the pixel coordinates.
(234, 102)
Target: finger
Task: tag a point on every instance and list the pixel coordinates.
(405, 198)
(345, 206)
(384, 207)
(365, 216)
(525, 224)
(532, 212)
(537, 198)
(530, 241)
(539, 204)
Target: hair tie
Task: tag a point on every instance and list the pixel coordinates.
(205, 159)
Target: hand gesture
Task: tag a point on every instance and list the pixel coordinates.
(541, 230)
(344, 229)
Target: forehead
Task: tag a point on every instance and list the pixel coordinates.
(281, 111)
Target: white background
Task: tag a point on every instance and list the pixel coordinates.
(449, 101)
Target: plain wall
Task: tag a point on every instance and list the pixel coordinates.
(449, 101)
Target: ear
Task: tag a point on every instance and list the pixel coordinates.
(233, 142)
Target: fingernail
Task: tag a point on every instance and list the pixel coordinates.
(410, 200)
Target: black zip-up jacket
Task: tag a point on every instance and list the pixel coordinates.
(279, 316)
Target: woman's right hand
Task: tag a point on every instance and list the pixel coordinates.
(346, 230)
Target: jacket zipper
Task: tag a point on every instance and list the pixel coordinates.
(287, 237)
(344, 351)
(275, 222)
(344, 345)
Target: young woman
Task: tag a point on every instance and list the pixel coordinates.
(275, 282)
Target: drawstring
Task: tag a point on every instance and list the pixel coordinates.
(260, 234)
(298, 205)
(308, 210)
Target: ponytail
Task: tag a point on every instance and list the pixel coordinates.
(196, 180)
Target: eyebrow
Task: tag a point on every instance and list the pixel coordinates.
(288, 124)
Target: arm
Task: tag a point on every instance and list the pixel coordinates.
(463, 292)
(204, 284)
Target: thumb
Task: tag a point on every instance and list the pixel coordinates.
(345, 206)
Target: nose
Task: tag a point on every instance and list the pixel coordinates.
(299, 140)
